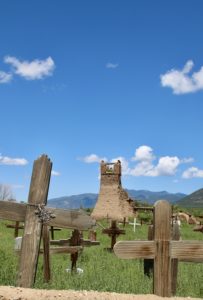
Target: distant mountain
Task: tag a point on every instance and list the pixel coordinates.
(89, 200)
(151, 197)
(193, 200)
(74, 201)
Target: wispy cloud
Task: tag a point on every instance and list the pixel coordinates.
(192, 172)
(31, 70)
(92, 158)
(110, 65)
(5, 160)
(17, 186)
(145, 163)
(181, 81)
(5, 77)
(55, 173)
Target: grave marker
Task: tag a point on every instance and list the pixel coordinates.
(113, 232)
(162, 249)
(34, 214)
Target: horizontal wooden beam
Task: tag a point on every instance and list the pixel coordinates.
(67, 242)
(63, 218)
(12, 211)
(187, 250)
(70, 219)
(59, 250)
(135, 249)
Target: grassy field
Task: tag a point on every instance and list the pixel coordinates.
(102, 270)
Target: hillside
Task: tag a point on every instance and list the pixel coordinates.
(194, 200)
(88, 200)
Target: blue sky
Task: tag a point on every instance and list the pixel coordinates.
(85, 80)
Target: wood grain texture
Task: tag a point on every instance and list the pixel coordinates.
(12, 211)
(134, 249)
(33, 228)
(162, 236)
(68, 249)
(66, 242)
(187, 250)
(71, 219)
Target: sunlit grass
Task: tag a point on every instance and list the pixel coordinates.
(102, 270)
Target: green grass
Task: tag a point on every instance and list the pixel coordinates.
(102, 270)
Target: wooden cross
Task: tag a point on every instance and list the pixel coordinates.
(162, 249)
(113, 232)
(75, 240)
(52, 229)
(16, 226)
(134, 224)
(34, 215)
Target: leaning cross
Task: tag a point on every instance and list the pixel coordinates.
(35, 214)
(162, 249)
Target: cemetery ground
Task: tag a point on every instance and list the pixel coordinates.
(102, 270)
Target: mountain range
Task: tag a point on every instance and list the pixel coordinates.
(194, 200)
(88, 200)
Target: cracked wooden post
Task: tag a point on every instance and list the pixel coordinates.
(33, 227)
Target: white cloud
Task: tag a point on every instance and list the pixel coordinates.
(55, 173)
(5, 77)
(167, 166)
(36, 69)
(145, 163)
(5, 160)
(192, 172)
(111, 66)
(144, 153)
(92, 158)
(181, 81)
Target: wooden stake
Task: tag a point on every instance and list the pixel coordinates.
(46, 253)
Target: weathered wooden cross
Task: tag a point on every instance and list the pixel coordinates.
(75, 240)
(15, 226)
(34, 214)
(162, 249)
(113, 232)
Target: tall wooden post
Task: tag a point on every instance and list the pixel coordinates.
(162, 237)
(33, 227)
(46, 253)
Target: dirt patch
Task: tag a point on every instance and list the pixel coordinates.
(13, 293)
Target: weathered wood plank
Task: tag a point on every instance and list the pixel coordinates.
(134, 249)
(187, 250)
(33, 228)
(174, 261)
(67, 242)
(12, 211)
(64, 218)
(46, 254)
(58, 250)
(162, 236)
(71, 219)
(70, 249)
